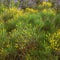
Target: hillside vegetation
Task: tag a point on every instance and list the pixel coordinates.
(30, 33)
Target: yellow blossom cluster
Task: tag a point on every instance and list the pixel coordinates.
(49, 11)
(16, 12)
(46, 4)
(31, 10)
(55, 40)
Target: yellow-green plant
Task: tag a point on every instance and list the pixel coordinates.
(31, 10)
(45, 5)
(55, 40)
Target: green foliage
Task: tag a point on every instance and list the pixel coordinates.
(2, 8)
(23, 34)
(57, 21)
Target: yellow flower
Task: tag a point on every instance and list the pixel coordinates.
(44, 10)
(55, 41)
(49, 11)
(31, 10)
(46, 4)
(49, 4)
(52, 41)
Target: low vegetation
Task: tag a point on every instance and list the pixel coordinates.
(30, 34)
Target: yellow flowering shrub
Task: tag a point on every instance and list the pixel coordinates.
(55, 40)
(31, 10)
(46, 4)
(49, 11)
(16, 12)
(12, 13)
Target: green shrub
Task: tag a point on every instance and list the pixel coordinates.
(23, 34)
(57, 21)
